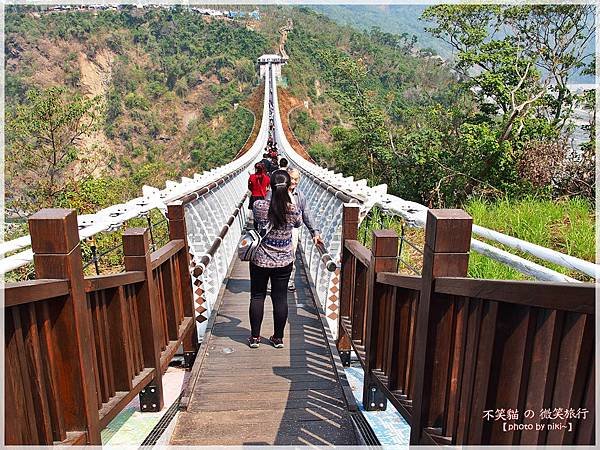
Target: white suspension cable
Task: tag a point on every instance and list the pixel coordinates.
(415, 215)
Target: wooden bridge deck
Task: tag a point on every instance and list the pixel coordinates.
(265, 396)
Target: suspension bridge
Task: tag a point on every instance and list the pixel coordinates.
(452, 354)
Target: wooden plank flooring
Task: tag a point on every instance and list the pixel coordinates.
(266, 396)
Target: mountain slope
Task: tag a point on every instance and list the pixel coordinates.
(397, 19)
(400, 19)
(167, 81)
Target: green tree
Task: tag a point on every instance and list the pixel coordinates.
(369, 146)
(588, 102)
(43, 135)
(517, 55)
(304, 127)
(559, 36)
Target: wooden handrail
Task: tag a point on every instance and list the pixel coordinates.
(33, 291)
(80, 348)
(101, 282)
(412, 282)
(178, 230)
(573, 297)
(164, 253)
(362, 253)
(548, 295)
(350, 220)
(442, 348)
(65, 358)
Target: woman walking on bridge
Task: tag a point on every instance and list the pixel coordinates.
(273, 259)
(258, 183)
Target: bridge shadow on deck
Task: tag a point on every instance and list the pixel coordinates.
(266, 396)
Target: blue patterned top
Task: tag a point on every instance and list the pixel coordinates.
(275, 249)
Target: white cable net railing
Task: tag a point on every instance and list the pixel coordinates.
(205, 218)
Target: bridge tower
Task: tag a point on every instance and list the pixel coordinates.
(276, 62)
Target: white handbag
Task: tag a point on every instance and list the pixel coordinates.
(250, 242)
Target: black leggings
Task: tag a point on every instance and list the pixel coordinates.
(259, 277)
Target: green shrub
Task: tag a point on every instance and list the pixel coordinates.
(155, 89)
(181, 87)
(113, 105)
(136, 101)
(196, 155)
(126, 162)
(92, 194)
(16, 87)
(304, 126)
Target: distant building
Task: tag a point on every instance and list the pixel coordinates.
(254, 15)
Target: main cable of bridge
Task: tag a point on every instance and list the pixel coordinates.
(415, 215)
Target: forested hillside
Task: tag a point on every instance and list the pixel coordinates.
(396, 19)
(100, 103)
(141, 95)
(406, 19)
(432, 132)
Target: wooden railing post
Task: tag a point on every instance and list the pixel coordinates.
(177, 230)
(57, 254)
(349, 231)
(383, 259)
(136, 249)
(446, 254)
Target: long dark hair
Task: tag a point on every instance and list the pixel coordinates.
(280, 199)
(260, 171)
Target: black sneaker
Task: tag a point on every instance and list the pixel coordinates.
(254, 342)
(277, 342)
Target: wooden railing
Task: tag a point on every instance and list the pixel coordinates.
(454, 354)
(79, 349)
